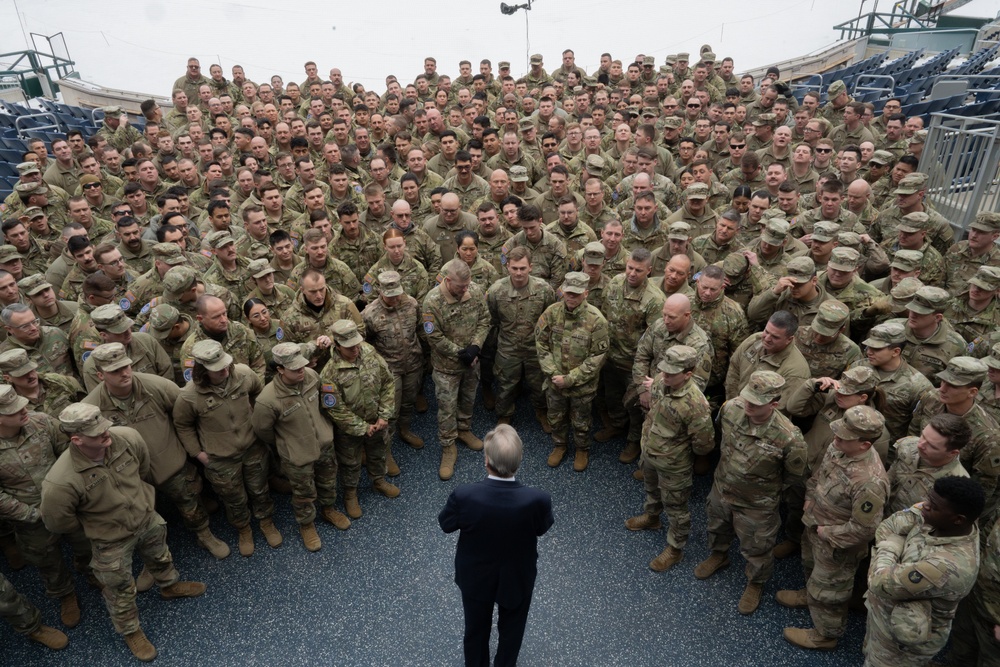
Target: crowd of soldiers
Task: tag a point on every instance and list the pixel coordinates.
(250, 291)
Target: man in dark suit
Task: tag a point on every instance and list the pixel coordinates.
(501, 521)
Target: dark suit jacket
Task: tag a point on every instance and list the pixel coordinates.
(497, 548)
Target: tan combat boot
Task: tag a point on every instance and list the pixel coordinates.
(809, 638)
(144, 581)
(630, 453)
(338, 519)
(420, 403)
(489, 398)
(385, 488)
(11, 552)
(141, 647)
(581, 459)
(750, 599)
(608, 433)
(279, 485)
(246, 541)
(666, 560)
(49, 637)
(310, 538)
(543, 418)
(792, 599)
(351, 502)
(785, 549)
(409, 437)
(182, 589)
(391, 467)
(69, 610)
(212, 544)
(637, 474)
(557, 455)
(449, 454)
(271, 534)
(470, 440)
(706, 568)
(643, 522)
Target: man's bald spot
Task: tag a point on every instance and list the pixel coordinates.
(678, 304)
(681, 263)
(859, 187)
(400, 206)
(450, 199)
(207, 302)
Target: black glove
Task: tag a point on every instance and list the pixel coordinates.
(465, 357)
(473, 351)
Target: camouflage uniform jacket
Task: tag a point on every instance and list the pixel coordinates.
(655, 342)
(450, 325)
(807, 401)
(51, 351)
(903, 389)
(548, 257)
(395, 333)
(930, 355)
(678, 427)
(960, 265)
(726, 325)
(359, 253)
(940, 234)
(239, 341)
(55, 392)
(629, 311)
(338, 276)
(412, 273)
(846, 496)
(572, 344)
(24, 461)
(238, 282)
(147, 357)
(911, 479)
(979, 329)
(988, 399)
(356, 394)
(514, 313)
(302, 324)
(827, 360)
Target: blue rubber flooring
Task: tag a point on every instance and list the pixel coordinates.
(382, 593)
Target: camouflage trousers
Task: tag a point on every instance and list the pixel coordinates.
(756, 528)
(112, 565)
(311, 482)
(408, 386)
(623, 408)
(668, 490)
(455, 393)
(43, 550)
(829, 581)
(184, 491)
(880, 647)
(972, 639)
(510, 371)
(17, 610)
(349, 450)
(241, 481)
(578, 411)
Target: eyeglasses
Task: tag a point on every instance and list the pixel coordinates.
(27, 325)
(694, 106)
(114, 262)
(737, 145)
(824, 150)
(449, 210)
(91, 186)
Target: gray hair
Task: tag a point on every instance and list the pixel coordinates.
(8, 313)
(503, 450)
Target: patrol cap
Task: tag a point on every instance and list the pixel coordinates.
(593, 253)
(708, 57)
(907, 260)
(536, 59)
(84, 419)
(918, 221)
(881, 157)
(673, 122)
(162, 319)
(111, 318)
(87, 179)
(680, 231)
(288, 355)
(589, 82)
(885, 335)
(219, 239)
(33, 284)
(259, 268)
(844, 259)
(993, 361)
(209, 353)
(859, 423)
(830, 317)
(519, 174)
(836, 88)
(846, 238)
(179, 279)
(824, 231)
(37, 188)
(858, 380)
(775, 232)
(986, 221)
(765, 119)
(801, 269)
(113, 111)
(576, 282)
(666, 69)
(25, 168)
(648, 61)
(671, 58)
(525, 124)
(345, 333)
(735, 265)
(390, 283)
(169, 253)
(111, 356)
(503, 64)
(678, 359)
(929, 299)
(594, 163)
(919, 137)
(33, 212)
(683, 57)
(696, 191)
(9, 253)
(10, 402)
(16, 362)
(987, 277)
(764, 387)
(651, 112)
(903, 292)
(911, 183)
(963, 371)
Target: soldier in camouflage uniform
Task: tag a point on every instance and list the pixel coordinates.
(989, 392)
(171, 330)
(974, 633)
(548, 253)
(721, 318)
(357, 394)
(46, 346)
(114, 326)
(456, 321)
(965, 258)
(571, 339)
(925, 560)
(51, 311)
(773, 350)
(913, 234)
(798, 292)
(46, 392)
(845, 498)
(228, 269)
(823, 344)
(975, 313)
(762, 454)
(183, 287)
(236, 338)
(316, 308)
(277, 298)
(338, 275)
(26, 619)
(931, 339)
(909, 196)
(675, 327)
(678, 428)
(397, 259)
(592, 264)
(922, 459)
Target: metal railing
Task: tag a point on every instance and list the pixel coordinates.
(871, 81)
(26, 123)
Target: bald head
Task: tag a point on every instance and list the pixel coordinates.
(677, 313)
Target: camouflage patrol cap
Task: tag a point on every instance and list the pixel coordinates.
(847, 238)
(259, 268)
(765, 119)
(652, 112)
(708, 57)
(37, 188)
(589, 82)
(830, 318)
(986, 221)
(844, 259)
(289, 355)
(391, 283)
(904, 292)
(859, 423)
(519, 174)
(576, 282)
(858, 380)
(993, 361)
(764, 387)
(209, 353)
(503, 64)
(775, 231)
(219, 239)
(594, 164)
(918, 221)
(665, 69)
(911, 183)
(824, 231)
(345, 333)
(525, 124)
(683, 57)
(907, 260)
(673, 122)
(111, 318)
(33, 212)
(179, 279)
(10, 402)
(836, 88)
(9, 253)
(735, 265)
(919, 137)
(25, 168)
(16, 362)
(929, 299)
(671, 59)
(536, 59)
(678, 359)
(111, 357)
(33, 284)
(84, 419)
(885, 335)
(882, 157)
(801, 269)
(964, 371)
(648, 61)
(162, 319)
(680, 231)
(113, 110)
(593, 253)
(987, 277)
(87, 179)
(696, 191)
(169, 253)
